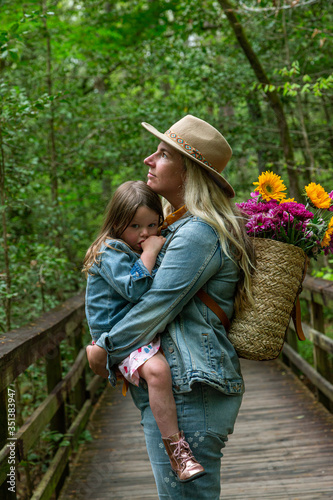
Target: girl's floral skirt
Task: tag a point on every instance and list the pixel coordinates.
(129, 366)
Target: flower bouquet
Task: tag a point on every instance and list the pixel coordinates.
(285, 235)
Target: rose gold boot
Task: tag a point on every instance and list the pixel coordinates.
(181, 458)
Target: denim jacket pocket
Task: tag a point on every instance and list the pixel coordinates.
(220, 411)
(210, 347)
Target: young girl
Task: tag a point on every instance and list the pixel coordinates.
(120, 266)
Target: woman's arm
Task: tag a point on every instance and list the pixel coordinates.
(193, 256)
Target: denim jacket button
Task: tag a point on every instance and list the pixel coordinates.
(170, 349)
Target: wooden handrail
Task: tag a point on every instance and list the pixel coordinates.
(21, 348)
(317, 293)
(321, 290)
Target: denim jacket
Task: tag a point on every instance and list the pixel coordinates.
(193, 339)
(115, 283)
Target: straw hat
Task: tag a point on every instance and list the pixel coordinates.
(202, 143)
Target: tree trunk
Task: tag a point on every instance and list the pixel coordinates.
(307, 153)
(273, 97)
(52, 135)
(52, 141)
(264, 155)
(326, 106)
(4, 235)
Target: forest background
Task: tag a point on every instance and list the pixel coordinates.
(78, 77)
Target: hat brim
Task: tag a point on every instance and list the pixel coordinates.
(218, 178)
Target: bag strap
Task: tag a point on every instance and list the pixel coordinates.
(296, 312)
(213, 306)
(297, 320)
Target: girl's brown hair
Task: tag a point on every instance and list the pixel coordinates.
(120, 211)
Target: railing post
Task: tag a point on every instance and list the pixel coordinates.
(58, 422)
(54, 375)
(291, 339)
(323, 364)
(5, 494)
(78, 395)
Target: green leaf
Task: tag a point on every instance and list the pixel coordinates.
(14, 28)
(65, 442)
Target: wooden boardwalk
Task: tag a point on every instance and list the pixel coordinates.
(282, 448)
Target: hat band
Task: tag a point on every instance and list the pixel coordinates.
(188, 148)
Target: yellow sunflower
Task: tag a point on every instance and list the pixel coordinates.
(318, 196)
(270, 186)
(328, 234)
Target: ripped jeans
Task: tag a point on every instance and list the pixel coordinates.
(206, 416)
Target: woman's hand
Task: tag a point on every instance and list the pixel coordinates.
(97, 358)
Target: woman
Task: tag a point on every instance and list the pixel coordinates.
(206, 247)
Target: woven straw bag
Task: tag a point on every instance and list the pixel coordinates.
(258, 332)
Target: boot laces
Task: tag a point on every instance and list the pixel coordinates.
(182, 451)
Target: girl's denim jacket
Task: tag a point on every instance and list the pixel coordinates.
(115, 283)
(193, 339)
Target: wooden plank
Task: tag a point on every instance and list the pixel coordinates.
(318, 338)
(94, 385)
(281, 449)
(50, 480)
(318, 290)
(23, 346)
(115, 464)
(320, 382)
(282, 446)
(30, 431)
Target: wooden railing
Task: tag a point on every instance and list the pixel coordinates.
(21, 348)
(317, 294)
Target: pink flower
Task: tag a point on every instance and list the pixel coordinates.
(252, 207)
(259, 223)
(331, 196)
(297, 210)
(255, 194)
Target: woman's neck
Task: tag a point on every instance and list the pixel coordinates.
(176, 202)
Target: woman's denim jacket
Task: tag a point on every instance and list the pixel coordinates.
(193, 339)
(115, 283)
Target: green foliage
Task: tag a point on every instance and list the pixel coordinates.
(76, 80)
(305, 349)
(85, 437)
(326, 272)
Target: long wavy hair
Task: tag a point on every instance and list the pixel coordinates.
(205, 199)
(121, 209)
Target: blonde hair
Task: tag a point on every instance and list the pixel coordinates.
(205, 199)
(121, 209)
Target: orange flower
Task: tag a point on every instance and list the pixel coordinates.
(288, 200)
(318, 196)
(328, 234)
(270, 186)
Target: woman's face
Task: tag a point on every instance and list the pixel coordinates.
(166, 174)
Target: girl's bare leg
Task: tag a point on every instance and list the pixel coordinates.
(157, 374)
